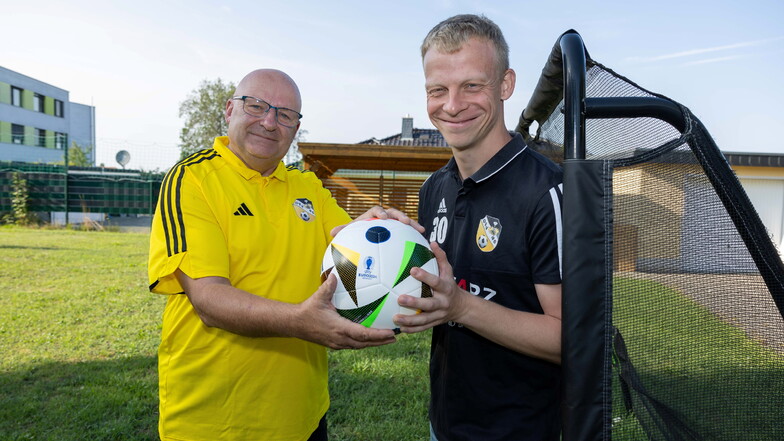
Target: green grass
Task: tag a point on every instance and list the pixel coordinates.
(78, 338)
(79, 332)
(724, 384)
(381, 393)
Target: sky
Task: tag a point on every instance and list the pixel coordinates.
(358, 66)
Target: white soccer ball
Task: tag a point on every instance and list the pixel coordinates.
(372, 260)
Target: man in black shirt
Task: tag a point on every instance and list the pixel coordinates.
(493, 216)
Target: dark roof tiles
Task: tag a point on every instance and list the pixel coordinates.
(421, 137)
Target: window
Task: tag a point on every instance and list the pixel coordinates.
(60, 140)
(17, 134)
(38, 102)
(16, 96)
(41, 135)
(58, 108)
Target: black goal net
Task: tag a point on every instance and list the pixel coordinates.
(673, 289)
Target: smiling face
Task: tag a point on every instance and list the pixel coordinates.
(261, 142)
(465, 94)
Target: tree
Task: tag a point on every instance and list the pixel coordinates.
(20, 214)
(203, 111)
(293, 156)
(78, 156)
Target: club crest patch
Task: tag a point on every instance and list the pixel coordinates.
(488, 233)
(304, 209)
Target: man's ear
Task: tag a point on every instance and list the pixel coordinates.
(229, 109)
(508, 84)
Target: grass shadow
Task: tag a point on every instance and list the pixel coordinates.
(718, 403)
(19, 247)
(381, 393)
(723, 384)
(93, 400)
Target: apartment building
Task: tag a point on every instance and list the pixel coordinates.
(38, 121)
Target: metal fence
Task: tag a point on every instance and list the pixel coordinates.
(52, 188)
(114, 192)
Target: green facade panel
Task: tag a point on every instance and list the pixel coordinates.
(48, 105)
(5, 93)
(5, 132)
(30, 137)
(27, 99)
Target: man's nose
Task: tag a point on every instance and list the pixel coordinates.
(455, 102)
(269, 120)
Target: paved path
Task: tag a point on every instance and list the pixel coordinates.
(140, 224)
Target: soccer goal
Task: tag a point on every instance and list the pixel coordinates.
(673, 290)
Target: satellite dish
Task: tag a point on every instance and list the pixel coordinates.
(123, 157)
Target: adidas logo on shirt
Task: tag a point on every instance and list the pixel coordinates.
(442, 206)
(243, 210)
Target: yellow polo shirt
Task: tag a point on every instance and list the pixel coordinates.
(267, 235)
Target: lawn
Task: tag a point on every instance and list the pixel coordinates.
(723, 385)
(79, 332)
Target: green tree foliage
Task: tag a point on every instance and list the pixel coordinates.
(293, 156)
(77, 156)
(19, 215)
(203, 111)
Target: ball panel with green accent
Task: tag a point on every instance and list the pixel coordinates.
(366, 314)
(415, 255)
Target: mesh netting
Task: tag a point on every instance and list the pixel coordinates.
(87, 190)
(696, 335)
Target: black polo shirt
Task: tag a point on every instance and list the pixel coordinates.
(501, 230)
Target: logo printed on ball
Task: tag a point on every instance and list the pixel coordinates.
(367, 272)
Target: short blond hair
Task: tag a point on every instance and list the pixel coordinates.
(450, 35)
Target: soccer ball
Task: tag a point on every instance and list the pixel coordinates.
(372, 260)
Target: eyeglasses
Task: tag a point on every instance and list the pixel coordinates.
(257, 108)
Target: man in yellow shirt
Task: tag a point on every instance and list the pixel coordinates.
(236, 243)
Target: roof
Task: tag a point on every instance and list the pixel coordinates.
(420, 137)
(325, 159)
(755, 159)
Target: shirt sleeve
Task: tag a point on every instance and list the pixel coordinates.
(334, 214)
(545, 238)
(184, 221)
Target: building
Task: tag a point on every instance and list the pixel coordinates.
(389, 171)
(409, 136)
(762, 177)
(386, 171)
(38, 121)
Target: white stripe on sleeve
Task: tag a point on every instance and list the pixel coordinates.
(558, 225)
